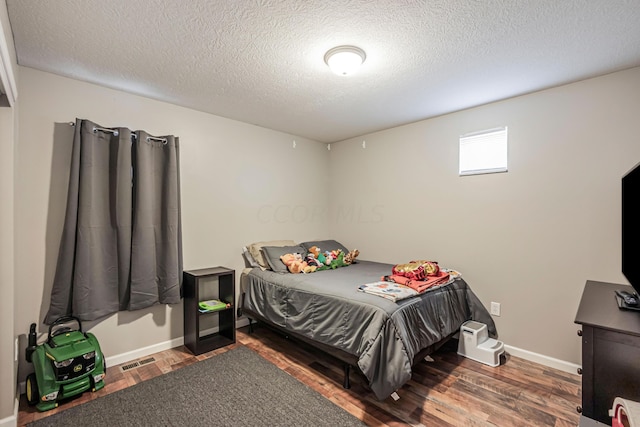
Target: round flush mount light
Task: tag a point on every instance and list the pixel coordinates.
(344, 60)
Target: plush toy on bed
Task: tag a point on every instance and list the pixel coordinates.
(295, 264)
(351, 256)
(338, 261)
(315, 257)
(329, 256)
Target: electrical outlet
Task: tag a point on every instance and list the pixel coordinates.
(495, 308)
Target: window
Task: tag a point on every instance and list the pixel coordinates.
(483, 152)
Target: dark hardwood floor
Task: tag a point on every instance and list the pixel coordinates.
(450, 391)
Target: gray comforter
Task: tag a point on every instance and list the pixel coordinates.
(327, 307)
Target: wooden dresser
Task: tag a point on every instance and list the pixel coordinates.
(610, 351)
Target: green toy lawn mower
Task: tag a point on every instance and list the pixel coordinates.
(70, 362)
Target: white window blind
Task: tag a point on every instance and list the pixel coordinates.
(483, 152)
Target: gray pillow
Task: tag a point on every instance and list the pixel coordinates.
(256, 253)
(272, 255)
(324, 245)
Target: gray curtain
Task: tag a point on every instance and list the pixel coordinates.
(121, 245)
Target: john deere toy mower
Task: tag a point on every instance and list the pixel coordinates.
(70, 362)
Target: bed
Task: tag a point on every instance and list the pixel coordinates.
(381, 338)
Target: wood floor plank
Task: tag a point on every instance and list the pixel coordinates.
(450, 391)
(548, 402)
(445, 406)
(564, 423)
(517, 373)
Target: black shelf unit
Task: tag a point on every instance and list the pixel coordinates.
(226, 317)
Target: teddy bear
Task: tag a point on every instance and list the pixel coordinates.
(351, 256)
(295, 264)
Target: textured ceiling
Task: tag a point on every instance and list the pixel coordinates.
(261, 61)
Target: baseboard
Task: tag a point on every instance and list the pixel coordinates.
(514, 351)
(142, 352)
(12, 420)
(155, 348)
(145, 351)
(131, 355)
(551, 362)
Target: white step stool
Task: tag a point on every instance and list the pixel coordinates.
(625, 413)
(474, 343)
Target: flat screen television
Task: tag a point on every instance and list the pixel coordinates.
(631, 227)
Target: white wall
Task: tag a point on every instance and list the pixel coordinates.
(240, 183)
(529, 238)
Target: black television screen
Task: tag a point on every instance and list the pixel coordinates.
(631, 227)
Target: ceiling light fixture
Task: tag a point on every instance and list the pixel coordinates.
(344, 60)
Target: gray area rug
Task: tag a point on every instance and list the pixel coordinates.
(236, 388)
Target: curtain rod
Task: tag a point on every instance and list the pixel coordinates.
(115, 133)
(152, 138)
(95, 129)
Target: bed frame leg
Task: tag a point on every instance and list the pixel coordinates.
(250, 325)
(347, 368)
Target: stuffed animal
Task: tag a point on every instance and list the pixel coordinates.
(329, 256)
(310, 259)
(295, 264)
(317, 254)
(338, 261)
(321, 258)
(351, 256)
(309, 269)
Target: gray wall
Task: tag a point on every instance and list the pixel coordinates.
(7, 366)
(240, 184)
(529, 238)
(8, 118)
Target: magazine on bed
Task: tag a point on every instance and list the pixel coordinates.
(389, 290)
